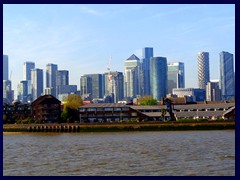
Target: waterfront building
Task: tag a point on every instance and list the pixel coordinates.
(147, 54)
(176, 75)
(37, 83)
(213, 93)
(113, 82)
(227, 78)
(203, 69)
(131, 77)
(158, 77)
(5, 67)
(51, 72)
(192, 94)
(27, 67)
(22, 95)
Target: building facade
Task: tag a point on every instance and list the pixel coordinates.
(37, 83)
(5, 67)
(8, 93)
(203, 69)
(227, 80)
(213, 93)
(51, 72)
(131, 77)
(62, 77)
(192, 94)
(27, 67)
(158, 77)
(23, 91)
(176, 75)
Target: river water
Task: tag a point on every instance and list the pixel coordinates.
(171, 153)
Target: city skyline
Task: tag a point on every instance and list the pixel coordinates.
(81, 38)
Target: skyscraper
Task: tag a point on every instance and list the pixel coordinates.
(158, 77)
(37, 83)
(5, 67)
(62, 77)
(22, 91)
(85, 87)
(147, 54)
(176, 75)
(51, 71)
(8, 95)
(213, 93)
(227, 82)
(203, 69)
(27, 67)
(131, 77)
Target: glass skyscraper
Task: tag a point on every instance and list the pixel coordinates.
(5, 67)
(51, 72)
(158, 77)
(27, 67)
(62, 77)
(203, 69)
(176, 75)
(227, 80)
(37, 83)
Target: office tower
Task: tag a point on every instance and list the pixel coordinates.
(147, 54)
(213, 93)
(192, 94)
(158, 77)
(227, 80)
(115, 80)
(23, 91)
(176, 75)
(51, 71)
(8, 95)
(132, 77)
(92, 84)
(37, 83)
(62, 77)
(27, 67)
(203, 69)
(5, 67)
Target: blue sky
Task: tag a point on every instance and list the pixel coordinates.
(81, 37)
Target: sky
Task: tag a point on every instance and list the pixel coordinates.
(81, 37)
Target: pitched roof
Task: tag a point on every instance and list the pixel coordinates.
(45, 98)
(133, 57)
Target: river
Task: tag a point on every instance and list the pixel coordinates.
(168, 153)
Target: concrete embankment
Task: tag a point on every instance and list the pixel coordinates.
(115, 127)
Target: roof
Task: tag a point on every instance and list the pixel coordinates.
(104, 105)
(46, 98)
(133, 57)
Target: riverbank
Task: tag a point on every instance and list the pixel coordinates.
(116, 127)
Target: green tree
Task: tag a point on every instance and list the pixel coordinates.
(70, 108)
(147, 100)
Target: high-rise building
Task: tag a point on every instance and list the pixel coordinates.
(5, 67)
(176, 75)
(203, 69)
(27, 67)
(62, 77)
(213, 93)
(147, 54)
(158, 77)
(92, 84)
(132, 77)
(8, 94)
(227, 80)
(22, 95)
(51, 72)
(115, 80)
(37, 83)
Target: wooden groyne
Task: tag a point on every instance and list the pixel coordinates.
(116, 127)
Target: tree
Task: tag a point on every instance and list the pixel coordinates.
(70, 108)
(147, 100)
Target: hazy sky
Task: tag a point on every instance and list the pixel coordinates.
(80, 37)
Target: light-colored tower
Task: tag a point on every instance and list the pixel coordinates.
(213, 92)
(203, 69)
(37, 83)
(227, 80)
(27, 67)
(131, 77)
(5, 67)
(158, 77)
(51, 72)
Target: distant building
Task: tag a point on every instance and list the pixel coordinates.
(203, 69)
(37, 83)
(158, 77)
(5, 67)
(227, 78)
(51, 72)
(23, 91)
(147, 54)
(131, 77)
(8, 93)
(62, 77)
(194, 94)
(64, 90)
(27, 67)
(176, 75)
(213, 93)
